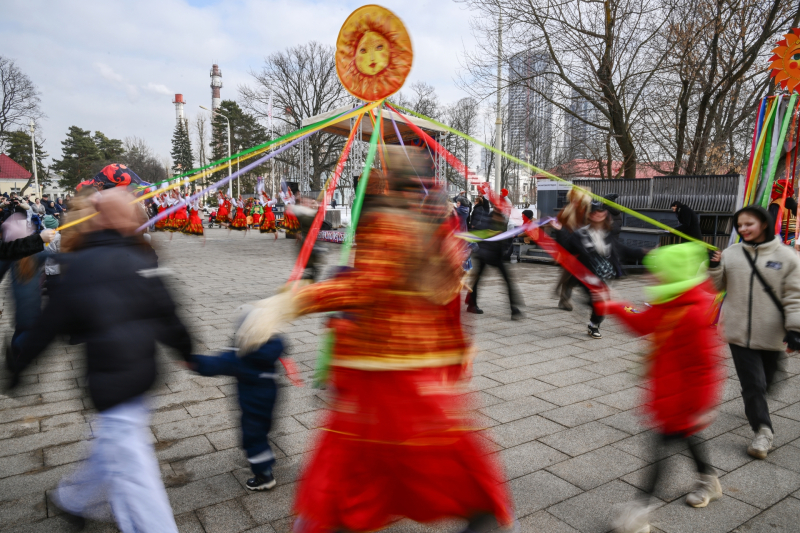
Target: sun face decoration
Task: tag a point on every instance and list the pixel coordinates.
(373, 53)
(786, 61)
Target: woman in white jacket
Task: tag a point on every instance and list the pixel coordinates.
(760, 314)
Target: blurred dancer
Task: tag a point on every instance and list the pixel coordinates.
(595, 248)
(124, 309)
(240, 218)
(195, 224)
(397, 443)
(761, 312)
(573, 216)
(684, 371)
(268, 222)
(223, 209)
(290, 223)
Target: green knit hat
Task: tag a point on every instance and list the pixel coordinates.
(50, 222)
(679, 268)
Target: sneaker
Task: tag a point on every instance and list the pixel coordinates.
(594, 332)
(565, 305)
(261, 482)
(516, 314)
(762, 443)
(474, 309)
(706, 491)
(633, 518)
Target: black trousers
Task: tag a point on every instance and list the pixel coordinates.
(695, 448)
(513, 298)
(594, 318)
(756, 370)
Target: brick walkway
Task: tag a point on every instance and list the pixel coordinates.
(560, 408)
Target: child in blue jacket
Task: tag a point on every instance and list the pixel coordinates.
(255, 376)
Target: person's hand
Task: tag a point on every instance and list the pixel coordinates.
(716, 257)
(792, 340)
(47, 235)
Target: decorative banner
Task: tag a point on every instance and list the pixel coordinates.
(373, 53)
(786, 61)
(519, 161)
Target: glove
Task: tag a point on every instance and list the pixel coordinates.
(792, 340)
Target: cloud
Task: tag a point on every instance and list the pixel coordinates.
(158, 89)
(117, 79)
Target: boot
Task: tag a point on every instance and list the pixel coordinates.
(707, 490)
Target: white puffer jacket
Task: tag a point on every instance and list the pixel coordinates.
(749, 316)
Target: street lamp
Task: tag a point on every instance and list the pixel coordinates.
(230, 185)
(33, 159)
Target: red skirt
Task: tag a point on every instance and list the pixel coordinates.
(179, 219)
(256, 219)
(290, 223)
(222, 214)
(239, 221)
(268, 223)
(397, 445)
(161, 224)
(195, 224)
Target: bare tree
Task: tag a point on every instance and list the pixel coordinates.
(303, 82)
(20, 100)
(141, 158)
(607, 52)
(201, 141)
(464, 116)
(422, 98)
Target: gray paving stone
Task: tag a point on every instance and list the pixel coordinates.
(62, 421)
(38, 411)
(569, 395)
(27, 508)
(760, 483)
(786, 430)
(784, 516)
(225, 517)
(519, 389)
(677, 478)
(787, 456)
(67, 453)
(630, 421)
(516, 409)
(529, 457)
(177, 450)
(581, 439)
(274, 505)
(32, 482)
(728, 451)
(544, 521)
(47, 438)
(624, 399)
(21, 463)
(196, 426)
(523, 430)
(724, 514)
(188, 523)
(204, 492)
(165, 401)
(579, 413)
(597, 467)
(539, 490)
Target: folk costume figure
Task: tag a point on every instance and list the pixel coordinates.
(398, 442)
(268, 221)
(240, 219)
(290, 223)
(256, 211)
(195, 224)
(169, 221)
(224, 209)
(161, 203)
(180, 216)
(783, 204)
(248, 211)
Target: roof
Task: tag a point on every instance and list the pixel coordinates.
(590, 168)
(11, 170)
(342, 127)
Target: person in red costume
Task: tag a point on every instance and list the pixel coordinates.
(398, 442)
(684, 370)
(224, 209)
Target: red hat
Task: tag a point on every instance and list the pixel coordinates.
(503, 192)
(777, 189)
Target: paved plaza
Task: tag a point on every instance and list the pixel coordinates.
(559, 408)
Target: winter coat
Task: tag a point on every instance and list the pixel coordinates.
(112, 299)
(689, 221)
(685, 374)
(19, 248)
(254, 373)
(481, 217)
(749, 316)
(580, 244)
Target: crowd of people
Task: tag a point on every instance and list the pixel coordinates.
(399, 440)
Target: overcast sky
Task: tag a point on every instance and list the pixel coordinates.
(114, 66)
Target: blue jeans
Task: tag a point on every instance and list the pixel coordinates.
(121, 476)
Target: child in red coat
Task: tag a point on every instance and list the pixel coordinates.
(684, 371)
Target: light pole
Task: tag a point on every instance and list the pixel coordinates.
(230, 185)
(499, 122)
(33, 159)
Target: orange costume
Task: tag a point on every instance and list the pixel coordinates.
(398, 442)
(223, 210)
(268, 219)
(195, 225)
(239, 219)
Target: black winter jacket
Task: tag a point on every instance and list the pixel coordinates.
(580, 244)
(689, 221)
(112, 300)
(13, 250)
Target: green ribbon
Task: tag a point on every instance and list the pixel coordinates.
(519, 161)
(775, 152)
(326, 348)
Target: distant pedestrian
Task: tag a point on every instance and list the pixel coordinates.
(333, 203)
(124, 309)
(689, 221)
(255, 375)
